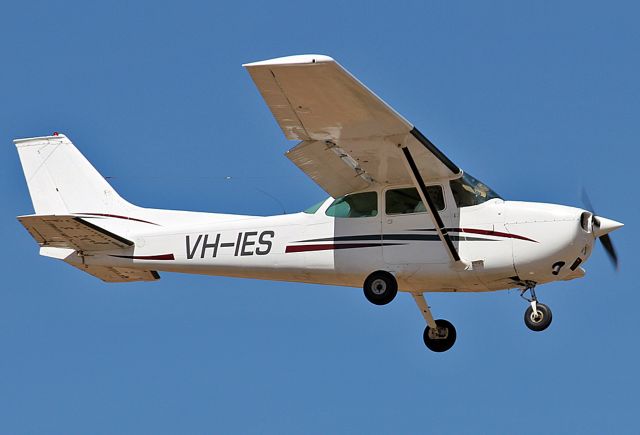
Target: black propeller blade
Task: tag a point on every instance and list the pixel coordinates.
(587, 202)
(608, 246)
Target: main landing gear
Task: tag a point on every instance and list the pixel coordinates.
(538, 316)
(381, 287)
(439, 335)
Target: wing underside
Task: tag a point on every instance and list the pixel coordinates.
(350, 137)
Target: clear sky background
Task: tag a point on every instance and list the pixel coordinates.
(537, 99)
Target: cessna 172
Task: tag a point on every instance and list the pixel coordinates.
(401, 216)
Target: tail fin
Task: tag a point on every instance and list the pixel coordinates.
(62, 181)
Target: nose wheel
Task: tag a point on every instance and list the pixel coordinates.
(538, 316)
(538, 320)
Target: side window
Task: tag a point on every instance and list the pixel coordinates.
(407, 200)
(314, 208)
(354, 206)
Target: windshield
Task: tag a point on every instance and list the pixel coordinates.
(468, 191)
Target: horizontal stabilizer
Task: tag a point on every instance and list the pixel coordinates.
(118, 274)
(71, 232)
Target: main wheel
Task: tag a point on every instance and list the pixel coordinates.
(380, 288)
(441, 340)
(540, 320)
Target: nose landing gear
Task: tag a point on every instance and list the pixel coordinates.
(538, 316)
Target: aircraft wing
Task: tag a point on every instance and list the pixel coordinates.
(71, 232)
(350, 137)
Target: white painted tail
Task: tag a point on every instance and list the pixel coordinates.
(62, 181)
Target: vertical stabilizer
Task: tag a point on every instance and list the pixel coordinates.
(62, 181)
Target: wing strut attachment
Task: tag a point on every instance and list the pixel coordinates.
(412, 168)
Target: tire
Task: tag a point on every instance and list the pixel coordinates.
(440, 344)
(380, 288)
(540, 322)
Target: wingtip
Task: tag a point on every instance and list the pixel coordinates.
(299, 59)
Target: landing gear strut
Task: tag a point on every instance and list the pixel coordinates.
(538, 316)
(439, 335)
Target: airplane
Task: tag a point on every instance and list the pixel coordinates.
(400, 216)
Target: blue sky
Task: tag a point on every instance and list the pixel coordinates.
(537, 99)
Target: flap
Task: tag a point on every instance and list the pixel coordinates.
(351, 165)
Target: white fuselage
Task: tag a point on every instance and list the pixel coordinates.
(502, 244)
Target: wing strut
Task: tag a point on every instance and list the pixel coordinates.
(426, 199)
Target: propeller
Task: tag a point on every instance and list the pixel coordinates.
(601, 229)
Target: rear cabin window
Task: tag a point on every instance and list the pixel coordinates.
(314, 208)
(407, 200)
(356, 205)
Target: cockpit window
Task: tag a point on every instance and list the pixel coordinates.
(407, 200)
(354, 206)
(314, 208)
(468, 191)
